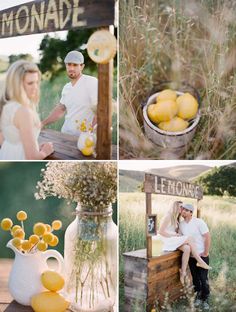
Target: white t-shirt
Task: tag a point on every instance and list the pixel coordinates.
(195, 228)
(80, 101)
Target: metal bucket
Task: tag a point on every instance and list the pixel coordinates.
(173, 142)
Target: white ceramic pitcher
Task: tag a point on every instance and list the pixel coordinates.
(24, 281)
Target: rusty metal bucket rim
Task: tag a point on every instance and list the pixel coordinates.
(163, 132)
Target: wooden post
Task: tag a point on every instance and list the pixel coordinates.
(104, 110)
(198, 208)
(148, 212)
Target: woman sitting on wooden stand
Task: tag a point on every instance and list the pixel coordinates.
(173, 240)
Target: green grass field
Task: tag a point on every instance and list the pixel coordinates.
(180, 41)
(51, 94)
(220, 215)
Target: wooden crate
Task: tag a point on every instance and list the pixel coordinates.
(149, 280)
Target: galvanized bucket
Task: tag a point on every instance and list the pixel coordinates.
(174, 142)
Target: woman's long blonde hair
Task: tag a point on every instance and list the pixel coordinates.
(175, 214)
(13, 89)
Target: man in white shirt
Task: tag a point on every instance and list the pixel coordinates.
(198, 230)
(78, 99)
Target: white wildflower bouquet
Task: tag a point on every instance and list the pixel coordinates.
(92, 184)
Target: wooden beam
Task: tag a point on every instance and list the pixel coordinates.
(43, 16)
(148, 212)
(104, 111)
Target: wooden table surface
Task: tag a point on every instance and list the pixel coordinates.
(65, 146)
(7, 304)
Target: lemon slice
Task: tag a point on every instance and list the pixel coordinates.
(101, 46)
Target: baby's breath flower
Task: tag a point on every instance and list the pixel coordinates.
(91, 184)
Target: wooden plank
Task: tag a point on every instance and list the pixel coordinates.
(148, 212)
(104, 110)
(166, 186)
(65, 146)
(55, 15)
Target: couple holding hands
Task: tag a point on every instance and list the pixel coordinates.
(191, 236)
(20, 124)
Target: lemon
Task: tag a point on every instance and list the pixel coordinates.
(49, 302)
(21, 215)
(6, 224)
(89, 142)
(167, 94)
(187, 106)
(52, 280)
(152, 114)
(87, 151)
(174, 125)
(165, 110)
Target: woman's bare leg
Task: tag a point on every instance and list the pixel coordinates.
(195, 254)
(186, 249)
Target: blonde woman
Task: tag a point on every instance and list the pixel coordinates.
(20, 124)
(173, 240)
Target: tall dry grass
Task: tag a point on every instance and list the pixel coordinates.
(191, 41)
(220, 215)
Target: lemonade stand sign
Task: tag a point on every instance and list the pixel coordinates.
(43, 16)
(149, 274)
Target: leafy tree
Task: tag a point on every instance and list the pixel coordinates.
(219, 181)
(15, 57)
(54, 50)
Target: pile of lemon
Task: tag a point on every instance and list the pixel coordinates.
(50, 300)
(172, 113)
(41, 238)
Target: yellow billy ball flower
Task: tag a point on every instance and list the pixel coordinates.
(14, 228)
(48, 237)
(42, 246)
(16, 242)
(39, 229)
(48, 227)
(34, 239)
(54, 242)
(19, 233)
(21, 215)
(56, 225)
(26, 245)
(6, 224)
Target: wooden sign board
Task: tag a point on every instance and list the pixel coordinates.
(165, 186)
(42, 16)
(151, 225)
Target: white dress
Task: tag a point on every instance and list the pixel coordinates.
(12, 147)
(172, 243)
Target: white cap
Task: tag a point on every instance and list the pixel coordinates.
(188, 207)
(74, 57)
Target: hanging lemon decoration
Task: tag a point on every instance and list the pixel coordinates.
(101, 46)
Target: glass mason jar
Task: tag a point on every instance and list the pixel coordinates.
(91, 260)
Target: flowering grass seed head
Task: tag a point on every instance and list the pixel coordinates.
(21, 215)
(6, 224)
(42, 246)
(34, 239)
(48, 237)
(54, 242)
(26, 245)
(56, 225)
(39, 229)
(19, 233)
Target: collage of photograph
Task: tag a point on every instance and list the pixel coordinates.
(120, 117)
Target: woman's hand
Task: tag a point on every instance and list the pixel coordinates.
(47, 148)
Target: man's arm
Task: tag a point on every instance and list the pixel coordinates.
(57, 113)
(207, 244)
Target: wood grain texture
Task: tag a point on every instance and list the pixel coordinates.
(104, 110)
(55, 15)
(65, 146)
(150, 279)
